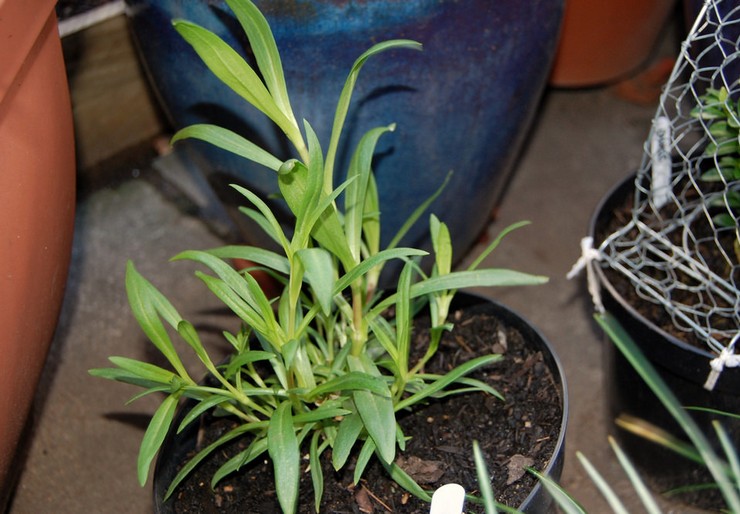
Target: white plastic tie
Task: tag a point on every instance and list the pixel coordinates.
(589, 254)
(727, 358)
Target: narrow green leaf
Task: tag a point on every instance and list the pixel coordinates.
(205, 452)
(202, 407)
(147, 304)
(447, 379)
(265, 51)
(319, 273)
(648, 373)
(484, 480)
(352, 381)
(411, 220)
(190, 335)
(345, 98)
(264, 209)
(366, 453)
(154, 435)
(347, 434)
(282, 445)
(606, 491)
(144, 370)
(355, 197)
(367, 264)
(404, 480)
(230, 141)
(243, 458)
(317, 474)
(562, 498)
(376, 411)
(234, 71)
(637, 483)
(260, 256)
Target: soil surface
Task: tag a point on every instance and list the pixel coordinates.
(521, 431)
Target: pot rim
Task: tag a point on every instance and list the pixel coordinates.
(600, 211)
(538, 496)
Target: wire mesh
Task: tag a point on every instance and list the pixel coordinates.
(681, 247)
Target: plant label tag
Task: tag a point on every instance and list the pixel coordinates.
(448, 499)
(660, 155)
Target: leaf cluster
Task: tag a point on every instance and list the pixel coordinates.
(722, 115)
(321, 367)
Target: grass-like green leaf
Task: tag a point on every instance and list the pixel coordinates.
(154, 435)
(320, 273)
(563, 499)
(230, 141)
(317, 474)
(606, 490)
(352, 381)
(447, 379)
(233, 70)
(348, 432)
(484, 480)
(634, 476)
(355, 197)
(282, 445)
(265, 52)
(147, 304)
(648, 373)
(346, 96)
(375, 410)
(144, 370)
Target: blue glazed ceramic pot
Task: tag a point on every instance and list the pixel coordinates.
(462, 105)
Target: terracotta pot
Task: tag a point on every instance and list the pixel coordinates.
(604, 40)
(37, 201)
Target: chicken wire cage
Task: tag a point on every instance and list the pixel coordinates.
(681, 247)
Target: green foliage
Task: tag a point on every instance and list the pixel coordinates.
(722, 116)
(321, 366)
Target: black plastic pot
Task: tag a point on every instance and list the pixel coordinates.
(682, 366)
(177, 446)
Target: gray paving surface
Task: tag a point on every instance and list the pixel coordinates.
(82, 455)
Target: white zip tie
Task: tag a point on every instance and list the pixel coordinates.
(589, 254)
(727, 358)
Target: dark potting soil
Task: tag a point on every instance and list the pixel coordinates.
(516, 433)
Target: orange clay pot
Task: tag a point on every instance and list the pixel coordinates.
(37, 201)
(602, 41)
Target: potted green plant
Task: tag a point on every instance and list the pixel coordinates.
(667, 240)
(327, 370)
(37, 206)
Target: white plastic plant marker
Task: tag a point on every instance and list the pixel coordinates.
(448, 499)
(660, 149)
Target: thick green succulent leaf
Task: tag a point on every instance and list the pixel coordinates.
(282, 445)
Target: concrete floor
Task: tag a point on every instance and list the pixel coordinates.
(82, 452)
